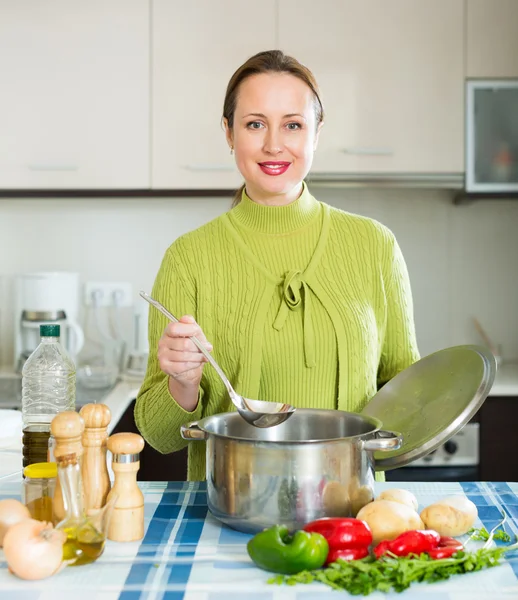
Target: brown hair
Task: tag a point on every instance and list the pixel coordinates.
(270, 61)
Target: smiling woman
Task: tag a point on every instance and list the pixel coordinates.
(272, 116)
(305, 304)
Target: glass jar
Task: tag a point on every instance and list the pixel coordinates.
(38, 489)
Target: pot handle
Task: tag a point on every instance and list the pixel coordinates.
(191, 431)
(384, 440)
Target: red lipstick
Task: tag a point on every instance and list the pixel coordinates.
(273, 167)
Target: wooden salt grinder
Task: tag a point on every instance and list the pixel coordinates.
(127, 519)
(94, 470)
(67, 428)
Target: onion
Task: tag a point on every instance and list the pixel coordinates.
(11, 512)
(34, 549)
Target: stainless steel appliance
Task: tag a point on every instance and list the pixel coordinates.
(457, 459)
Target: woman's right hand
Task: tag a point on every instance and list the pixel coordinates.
(178, 356)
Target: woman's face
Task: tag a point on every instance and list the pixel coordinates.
(274, 136)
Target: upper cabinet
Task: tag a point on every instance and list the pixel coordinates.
(492, 38)
(74, 106)
(391, 76)
(197, 46)
(128, 94)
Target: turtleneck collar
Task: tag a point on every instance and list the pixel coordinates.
(275, 219)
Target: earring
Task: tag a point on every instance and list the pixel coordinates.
(231, 150)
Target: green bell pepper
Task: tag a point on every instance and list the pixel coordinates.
(275, 550)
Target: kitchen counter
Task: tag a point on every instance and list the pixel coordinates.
(187, 554)
(118, 399)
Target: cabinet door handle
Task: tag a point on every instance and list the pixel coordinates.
(51, 167)
(367, 151)
(208, 167)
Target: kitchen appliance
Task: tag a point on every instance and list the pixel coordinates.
(321, 463)
(318, 463)
(492, 136)
(458, 459)
(46, 297)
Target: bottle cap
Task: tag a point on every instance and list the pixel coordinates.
(50, 330)
(42, 470)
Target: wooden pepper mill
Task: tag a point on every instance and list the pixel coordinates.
(94, 469)
(127, 519)
(67, 428)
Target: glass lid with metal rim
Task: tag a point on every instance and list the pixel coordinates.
(432, 400)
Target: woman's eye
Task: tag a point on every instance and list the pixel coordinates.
(254, 125)
(294, 126)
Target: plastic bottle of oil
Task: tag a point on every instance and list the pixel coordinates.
(48, 387)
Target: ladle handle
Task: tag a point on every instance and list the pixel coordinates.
(196, 341)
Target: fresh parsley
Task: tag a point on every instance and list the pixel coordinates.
(362, 577)
(482, 535)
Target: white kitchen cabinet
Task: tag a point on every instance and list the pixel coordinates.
(197, 46)
(392, 81)
(492, 38)
(74, 101)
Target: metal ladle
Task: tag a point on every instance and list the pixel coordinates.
(256, 412)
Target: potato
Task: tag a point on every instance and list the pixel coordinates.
(335, 500)
(387, 519)
(398, 495)
(452, 516)
(360, 497)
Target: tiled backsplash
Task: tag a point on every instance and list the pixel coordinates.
(463, 260)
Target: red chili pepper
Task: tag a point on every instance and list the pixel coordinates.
(410, 542)
(447, 547)
(343, 534)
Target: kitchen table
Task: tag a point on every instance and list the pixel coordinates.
(187, 554)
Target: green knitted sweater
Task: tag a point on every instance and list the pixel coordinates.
(303, 303)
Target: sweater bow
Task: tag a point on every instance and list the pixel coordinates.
(296, 296)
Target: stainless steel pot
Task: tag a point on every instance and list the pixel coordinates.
(319, 463)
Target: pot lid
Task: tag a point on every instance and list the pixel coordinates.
(432, 400)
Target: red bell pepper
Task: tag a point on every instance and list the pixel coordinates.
(346, 554)
(348, 539)
(382, 548)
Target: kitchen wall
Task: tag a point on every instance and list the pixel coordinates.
(463, 260)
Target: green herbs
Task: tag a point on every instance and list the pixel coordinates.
(488, 536)
(482, 535)
(362, 577)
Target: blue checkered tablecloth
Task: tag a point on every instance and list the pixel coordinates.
(186, 554)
